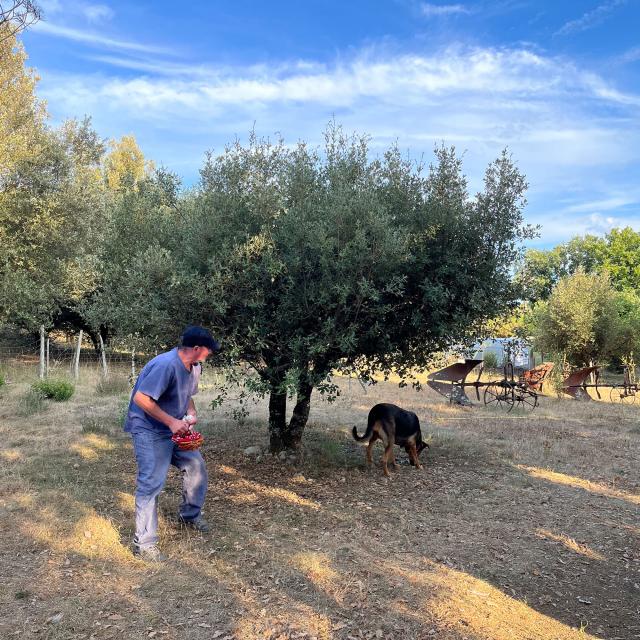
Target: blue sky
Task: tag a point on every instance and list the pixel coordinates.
(558, 83)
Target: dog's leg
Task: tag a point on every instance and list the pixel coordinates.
(388, 452)
(413, 454)
(369, 453)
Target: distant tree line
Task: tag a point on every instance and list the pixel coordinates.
(582, 298)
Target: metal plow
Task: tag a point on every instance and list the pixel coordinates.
(507, 393)
(452, 380)
(576, 385)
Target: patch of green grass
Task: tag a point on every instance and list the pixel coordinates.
(58, 390)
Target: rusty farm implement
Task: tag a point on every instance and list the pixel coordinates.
(523, 391)
(510, 391)
(578, 383)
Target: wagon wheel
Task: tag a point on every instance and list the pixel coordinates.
(624, 395)
(525, 399)
(497, 395)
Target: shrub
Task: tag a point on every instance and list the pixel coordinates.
(112, 386)
(58, 390)
(490, 360)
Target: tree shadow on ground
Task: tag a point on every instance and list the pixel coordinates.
(469, 547)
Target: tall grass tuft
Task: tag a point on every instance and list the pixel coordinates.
(30, 403)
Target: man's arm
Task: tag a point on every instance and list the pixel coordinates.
(191, 411)
(150, 406)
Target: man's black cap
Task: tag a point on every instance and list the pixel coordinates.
(199, 337)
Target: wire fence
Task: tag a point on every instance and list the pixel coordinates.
(58, 357)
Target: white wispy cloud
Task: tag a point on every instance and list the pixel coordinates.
(97, 12)
(598, 206)
(94, 39)
(590, 18)
(430, 10)
(598, 224)
(574, 134)
(491, 80)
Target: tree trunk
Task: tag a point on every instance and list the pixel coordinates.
(41, 372)
(103, 357)
(277, 418)
(293, 435)
(76, 358)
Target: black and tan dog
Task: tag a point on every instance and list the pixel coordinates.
(393, 425)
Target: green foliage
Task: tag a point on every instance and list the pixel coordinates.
(52, 215)
(587, 320)
(622, 260)
(307, 261)
(21, 113)
(490, 360)
(617, 254)
(507, 325)
(58, 390)
(125, 166)
(144, 292)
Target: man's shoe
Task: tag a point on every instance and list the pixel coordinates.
(199, 524)
(149, 554)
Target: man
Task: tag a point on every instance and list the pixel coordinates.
(162, 405)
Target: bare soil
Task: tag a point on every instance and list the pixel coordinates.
(518, 527)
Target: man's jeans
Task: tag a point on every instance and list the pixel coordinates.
(154, 453)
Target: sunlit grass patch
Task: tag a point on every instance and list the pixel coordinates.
(91, 446)
(11, 455)
(476, 607)
(78, 530)
(126, 501)
(580, 483)
(570, 543)
(317, 567)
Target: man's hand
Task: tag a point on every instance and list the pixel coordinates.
(192, 419)
(179, 427)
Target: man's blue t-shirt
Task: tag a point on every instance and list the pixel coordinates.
(170, 384)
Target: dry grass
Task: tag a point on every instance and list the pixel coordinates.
(519, 527)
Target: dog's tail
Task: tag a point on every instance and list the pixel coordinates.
(365, 436)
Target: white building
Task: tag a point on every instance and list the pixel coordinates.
(516, 349)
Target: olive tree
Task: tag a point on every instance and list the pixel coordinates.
(319, 261)
(311, 261)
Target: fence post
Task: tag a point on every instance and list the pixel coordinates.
(46, 365)
(103, 357)
(76, 359)
(133, 364)
(41, 372)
